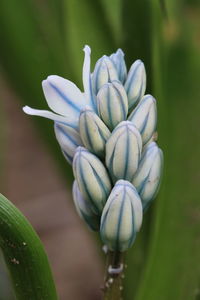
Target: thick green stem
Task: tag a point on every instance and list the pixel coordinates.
(114, 276)
(24, 255)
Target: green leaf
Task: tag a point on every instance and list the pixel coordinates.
(24, 255)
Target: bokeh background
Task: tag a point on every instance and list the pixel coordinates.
(39, 38)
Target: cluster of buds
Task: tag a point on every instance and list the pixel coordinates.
(108, 135)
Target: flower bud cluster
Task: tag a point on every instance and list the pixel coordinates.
(108, 134)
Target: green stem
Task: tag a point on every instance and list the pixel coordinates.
(113, 281)
(24, 255)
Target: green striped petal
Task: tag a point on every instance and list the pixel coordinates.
(84, 210)
(135, 84)
(112, 104)
(144, 117)
(148, 176)
(92, 178)
(121, 217)
(123, 151)
(93, 132)
(104, 72)
(120, 65)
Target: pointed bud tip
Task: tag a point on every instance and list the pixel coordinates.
(139, 61)
(87, 49)
(120, 51)
(50, 79)
(80, 148)
(28, 110)
(87, 108)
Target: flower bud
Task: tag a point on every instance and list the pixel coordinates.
(104, 72)
(93, 132)
(120, 65)
(84, 210)
(123, 151)
(112, 103)
(68, 139)
(135, 84)
(148, 175)
(122, 217)
(144, 117)
(92, 178)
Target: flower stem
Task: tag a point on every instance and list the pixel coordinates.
(113, 276)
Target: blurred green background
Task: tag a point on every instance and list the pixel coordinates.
(39, 38)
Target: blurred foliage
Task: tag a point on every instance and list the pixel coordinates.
(42, 38)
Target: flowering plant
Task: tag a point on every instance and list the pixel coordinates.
(108, 134)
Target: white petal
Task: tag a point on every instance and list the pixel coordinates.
(49, 115)
(63, 96)
(87, 82)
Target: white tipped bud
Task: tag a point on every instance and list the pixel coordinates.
(144, 117)
(84, 209)
(68, 139)
(120, 65)
(135, 84)
(123, 151)
(93, 132)
(148, 175)
(104, 72)
(112, 104)
(122, 217)
(92, 178)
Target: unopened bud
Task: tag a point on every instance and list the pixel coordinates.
(120, 65)
(144, 117)
(122, 217)
(68, 139)
(148, 175)
(92, 178)
(112, 104)
(104, 72)
(135, 84)
(123, 151)
(93, 132)
(84, 209)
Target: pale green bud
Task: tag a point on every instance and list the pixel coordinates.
(68, 139)
(122, 217)
(112, 104)
(93, 132)
(92, 178)
(123, 151)
(148, 176)
(104, 72)
(144, 117)
(84, 209)
(135, 84)
(120, 65)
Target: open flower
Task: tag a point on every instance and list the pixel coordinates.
(65, 98)
(66, 101)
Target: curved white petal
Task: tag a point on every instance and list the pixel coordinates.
(49, 115)
(87, 82)
(63, 96)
